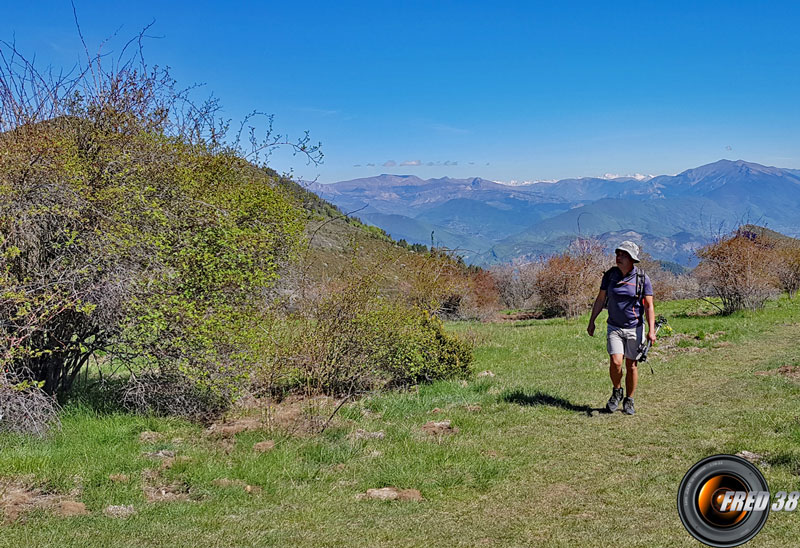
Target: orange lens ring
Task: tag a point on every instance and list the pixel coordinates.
(709, 500)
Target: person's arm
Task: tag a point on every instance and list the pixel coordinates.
(650, 310)
(597, 307)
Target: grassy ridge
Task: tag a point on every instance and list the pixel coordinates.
(530, 467)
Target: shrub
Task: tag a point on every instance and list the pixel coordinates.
(567, 284)
(737, 270)
(171, 394)
(348, 338)
(443, 285)
(25, 408)
(787, 267)
(516, 284)
(482, 299)
(128, 224)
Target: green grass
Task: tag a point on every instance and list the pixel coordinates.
(530, 468)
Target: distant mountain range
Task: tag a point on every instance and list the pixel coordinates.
(488, 222)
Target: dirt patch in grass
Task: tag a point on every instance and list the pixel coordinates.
(230, 428)
(150, 437)
(157, 489)
(264, 446)
(294, 415)
(361, 434)
(119, 511)
(18, 497)
(687, 342)
(518, 316)
(788, 371)
(439, 428)
(226, 482)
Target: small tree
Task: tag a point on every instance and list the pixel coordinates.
(737, 269)
(566, 284)
(787, 267)
(516, 283)
(130, 224)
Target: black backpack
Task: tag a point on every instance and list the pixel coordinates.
(639, 285)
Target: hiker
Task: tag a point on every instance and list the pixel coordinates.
(629, 295)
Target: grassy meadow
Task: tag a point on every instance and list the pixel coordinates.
(530, 464)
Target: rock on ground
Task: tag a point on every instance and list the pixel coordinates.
(118, 511)
(755, 458)
(391, 493)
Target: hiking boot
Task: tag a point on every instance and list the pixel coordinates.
(627, 406)
(613, 401)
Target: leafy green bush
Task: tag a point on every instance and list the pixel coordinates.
(349, 339)
(128, 225)
(410, 345)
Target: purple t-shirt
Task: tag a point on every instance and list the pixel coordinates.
(623, 308)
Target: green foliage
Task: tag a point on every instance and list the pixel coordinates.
(412, 346)
(158, 250)
(130, 226)
(349, 338)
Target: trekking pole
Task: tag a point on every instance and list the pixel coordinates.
(644, 348)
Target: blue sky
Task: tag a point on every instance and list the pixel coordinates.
(517, 91)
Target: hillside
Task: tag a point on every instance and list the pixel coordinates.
(336, 240)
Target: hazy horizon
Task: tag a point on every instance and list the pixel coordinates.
(607, 176)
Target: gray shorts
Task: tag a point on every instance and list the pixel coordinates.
(624, 341)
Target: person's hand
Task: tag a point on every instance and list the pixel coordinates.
(651, 336)
(590, 329)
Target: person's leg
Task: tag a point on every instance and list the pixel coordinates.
(615, 369)
(615, 344)
(616, 348)
(631, 376)
(633, 339)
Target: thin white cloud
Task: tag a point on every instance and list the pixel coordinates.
(389, 163)
(411, 163)
(318, 111)
(445, 128)
(370, 164)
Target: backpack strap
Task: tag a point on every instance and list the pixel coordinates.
(639, 285)
(640, 290)
(608, 290)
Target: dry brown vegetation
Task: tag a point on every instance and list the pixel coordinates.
(567, 283)
(739, 269)
(560, 285)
